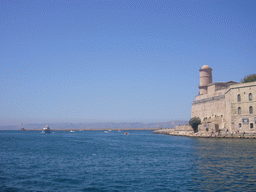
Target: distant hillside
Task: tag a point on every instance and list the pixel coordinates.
(60, 126)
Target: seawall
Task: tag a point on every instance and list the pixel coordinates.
(206, 135)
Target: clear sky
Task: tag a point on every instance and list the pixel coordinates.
(117, 60)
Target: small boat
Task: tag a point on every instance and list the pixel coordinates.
(105, 131)
(47, 129)
(126, 133)
(72, 131)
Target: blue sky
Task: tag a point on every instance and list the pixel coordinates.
(117, 60)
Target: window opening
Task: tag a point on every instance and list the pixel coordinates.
(238, 97)
(239, 110)
(250, 97)
(250, 110)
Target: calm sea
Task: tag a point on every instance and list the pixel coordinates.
(141, 161)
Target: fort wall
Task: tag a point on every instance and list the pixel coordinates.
(219, 107)
(243, 106)
(210, 110)
(183, 128)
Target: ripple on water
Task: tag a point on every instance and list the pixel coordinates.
(142, 161)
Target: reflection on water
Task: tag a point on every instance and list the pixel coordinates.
(225, 164)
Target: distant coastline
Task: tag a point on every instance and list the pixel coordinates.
(122, 129)
(97, 126)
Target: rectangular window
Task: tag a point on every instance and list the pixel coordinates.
(245, 120)
(239, 125)
(251, 125)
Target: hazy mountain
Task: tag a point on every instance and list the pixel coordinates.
(110, 125)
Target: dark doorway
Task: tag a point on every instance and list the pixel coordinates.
(217, 129)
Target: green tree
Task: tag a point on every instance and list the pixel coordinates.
(249, 78)
(194, 122)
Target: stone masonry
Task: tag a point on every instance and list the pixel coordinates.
(224, 106)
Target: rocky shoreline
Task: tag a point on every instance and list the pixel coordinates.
(250, 135)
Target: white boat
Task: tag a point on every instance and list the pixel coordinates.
(47, 129)
(72, 131)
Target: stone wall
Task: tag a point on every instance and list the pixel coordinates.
(209, 109)
(219, 108)
(245, 121)
(183, 128)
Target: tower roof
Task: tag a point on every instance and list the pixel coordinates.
(205, 67)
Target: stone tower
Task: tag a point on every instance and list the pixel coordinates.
(205, 79)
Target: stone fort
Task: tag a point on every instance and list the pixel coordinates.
(224, 106)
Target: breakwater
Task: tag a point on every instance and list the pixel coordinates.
(174, 132)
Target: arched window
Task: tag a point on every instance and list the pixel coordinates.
(239, 110)
(250, 110)
(238, 98)
(250, 97)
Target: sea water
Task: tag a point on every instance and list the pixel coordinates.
(140, 161)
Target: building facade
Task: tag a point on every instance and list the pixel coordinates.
(225, 106)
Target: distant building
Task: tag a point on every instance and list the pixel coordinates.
(224, 106)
